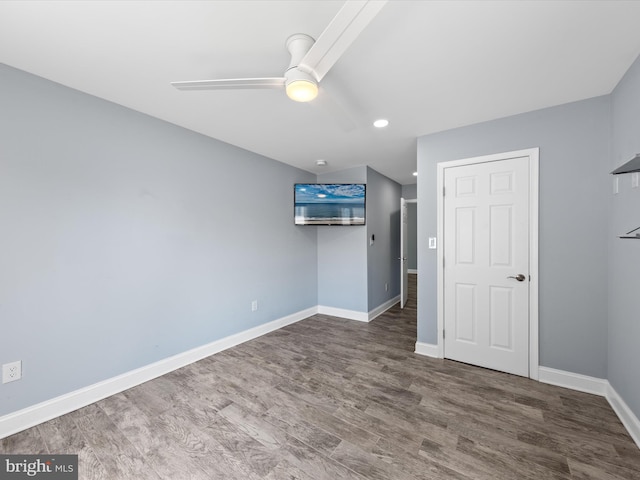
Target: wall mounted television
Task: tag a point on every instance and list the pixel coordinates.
(329, 203)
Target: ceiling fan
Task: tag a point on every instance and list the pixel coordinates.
(310, 60)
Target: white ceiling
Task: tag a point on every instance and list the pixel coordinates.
(427, 66)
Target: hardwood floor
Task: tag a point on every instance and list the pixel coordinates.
(328, 398)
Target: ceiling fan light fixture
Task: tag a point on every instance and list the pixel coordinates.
(302, 90)
(300, 86)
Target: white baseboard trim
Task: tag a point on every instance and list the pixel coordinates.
(596, 386)
(28, 417)
(412, 271)
(380, 309)
(427, 349)
(626, 416)
(343, 313)
(574, 381)
(356, 315)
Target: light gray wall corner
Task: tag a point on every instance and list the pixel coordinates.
(342, 254)
(383, 221)
(128, 240)
(624, 255)
(410, 192)
(574, 147)
(427, 328)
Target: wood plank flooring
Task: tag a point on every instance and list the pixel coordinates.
(331, 399)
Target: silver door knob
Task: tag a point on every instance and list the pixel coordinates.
(520, 277)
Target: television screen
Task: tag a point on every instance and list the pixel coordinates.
(329, 203)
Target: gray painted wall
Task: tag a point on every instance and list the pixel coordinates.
(410, 192)
(342, 254)
(574, 186)
(383, 221)
(352, 274)
(624, 255)
(127, 239)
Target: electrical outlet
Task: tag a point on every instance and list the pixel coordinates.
(11, 371)
(254, 305)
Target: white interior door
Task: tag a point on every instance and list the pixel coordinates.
(404, 248)
(486, 264)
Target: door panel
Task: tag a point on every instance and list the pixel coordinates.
(486, 241)
(465, 229)
(466, 308)
(501, 317)
(500, 240)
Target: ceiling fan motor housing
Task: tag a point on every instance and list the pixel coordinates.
(300, 86)
(298, 45)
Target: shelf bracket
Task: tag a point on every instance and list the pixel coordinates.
(632, 165)
(635, 233)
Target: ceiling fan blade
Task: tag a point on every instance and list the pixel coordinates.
(231, 83)
(345, 27)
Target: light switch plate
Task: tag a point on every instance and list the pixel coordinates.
(432, 242)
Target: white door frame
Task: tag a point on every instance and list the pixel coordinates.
(404, 242)
(415, 202)
(534, 155)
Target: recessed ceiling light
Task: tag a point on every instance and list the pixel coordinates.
(415, 174)
(381, 123)
(321, 163)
